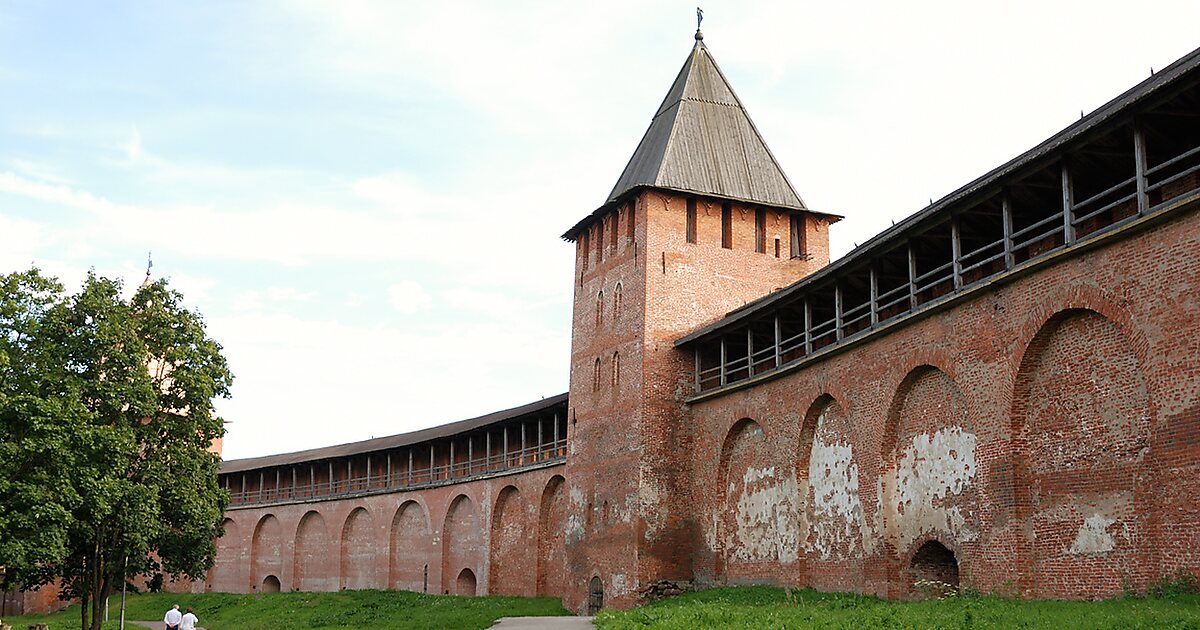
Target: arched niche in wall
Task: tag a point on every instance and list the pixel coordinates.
(929, 467)
(358, 560)
(312, 566)
(553, 509)
(411, 548)
(1081, 430)
(266, 550)
(463, 541)
(510, 545)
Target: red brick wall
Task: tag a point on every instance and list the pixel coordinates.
(396, 539)
(1044, 430)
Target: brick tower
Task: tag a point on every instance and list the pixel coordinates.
(701, 221)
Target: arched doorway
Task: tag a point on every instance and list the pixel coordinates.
(933, 569)
(595, 595)
(270, 584)
(465, 585)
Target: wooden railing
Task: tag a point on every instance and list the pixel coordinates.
(400, 478)
(791, 329)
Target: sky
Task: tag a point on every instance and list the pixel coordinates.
(365, 199)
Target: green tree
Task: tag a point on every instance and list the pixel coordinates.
(106, 415)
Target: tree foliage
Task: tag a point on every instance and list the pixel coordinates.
(106, 415)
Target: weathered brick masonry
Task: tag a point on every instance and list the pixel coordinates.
(1002, 391)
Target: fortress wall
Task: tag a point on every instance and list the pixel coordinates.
(500, 535)
(1046, 431)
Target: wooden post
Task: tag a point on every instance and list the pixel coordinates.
(312, 479)
(778, 342)
(1068, 207)
(388, 484)
(450, 468)
(261, 483)
(912, 278)
(807, 327)
(541, 446)
(331, 476)
(410, 466)
(874, 278)
(749, 350)
(837, 311)
(1006, 218)
(521, 459)
(368, 472)
(1140, 168)
(956, 252)
(349, 472)
(556, 433)
(278, 474)
(723, 371)
(431, 462)
(504, 449)
(487, 447)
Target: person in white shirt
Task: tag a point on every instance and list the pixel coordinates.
(188, 622)
(172, 618)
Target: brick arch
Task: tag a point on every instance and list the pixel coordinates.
(463, 541)
(944, 565)
(551, 539)
(411, 544)
(359, 568)
(1082, 418)
(312, 570)
(230, 563)
(929, 469)
(833, 519)
(510, 543)
(266, 550)
(757, 509)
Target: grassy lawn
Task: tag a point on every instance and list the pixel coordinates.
(769, 608)
(363, 610)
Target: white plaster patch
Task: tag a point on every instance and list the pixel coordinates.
(1093, 537)
(576, 525)
(767, 526)
(652, 511)
(837, 527)
(932, 469)
(620, 585)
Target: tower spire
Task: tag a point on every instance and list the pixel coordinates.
(699, 19)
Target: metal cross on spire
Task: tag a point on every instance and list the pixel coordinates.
(699, 19)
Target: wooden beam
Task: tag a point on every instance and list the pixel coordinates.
(807, 327)
(1068, 207)
(1140, 167)
(749, 350)
(1007, 219)
(724, 375)
(778, 342)
(874, 299)
(837, 311)
(956, 252)
(912, 278)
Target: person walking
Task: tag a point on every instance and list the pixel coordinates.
(172, 618)
(188, 622)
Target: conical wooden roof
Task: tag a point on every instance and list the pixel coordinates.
(702, 141)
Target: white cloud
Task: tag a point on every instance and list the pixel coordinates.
(408, 297)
